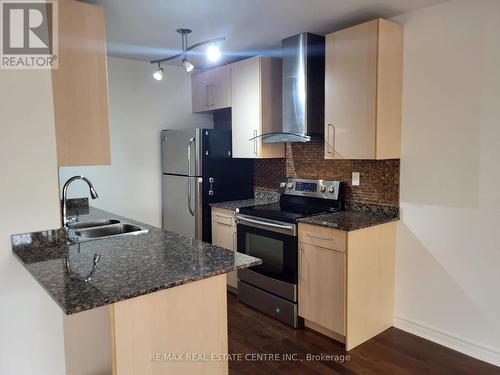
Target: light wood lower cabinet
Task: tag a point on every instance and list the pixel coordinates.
(322, 286)
(136, 336)
(346, 281)
(224, 235)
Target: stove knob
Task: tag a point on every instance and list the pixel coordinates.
(322, 188)
(289, 185)
(331, 189)
(282, 184)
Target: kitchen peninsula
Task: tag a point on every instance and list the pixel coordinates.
(132, 300)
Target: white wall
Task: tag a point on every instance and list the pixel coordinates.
(140, 107)
(31, 333)
(448, 251)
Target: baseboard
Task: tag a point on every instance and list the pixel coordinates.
(450, 341)
(325, 331)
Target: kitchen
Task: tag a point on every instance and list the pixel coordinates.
(406, 230)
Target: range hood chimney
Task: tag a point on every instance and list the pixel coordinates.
(303, 90)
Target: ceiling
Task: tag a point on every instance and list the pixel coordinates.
(145, 30)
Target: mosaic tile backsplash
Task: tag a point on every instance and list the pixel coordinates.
(379, 178)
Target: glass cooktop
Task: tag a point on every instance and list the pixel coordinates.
(283, 211)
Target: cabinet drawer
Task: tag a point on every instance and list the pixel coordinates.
(222, 216)
(323, 237)
(223, 219)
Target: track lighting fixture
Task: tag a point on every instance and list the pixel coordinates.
(213, 53)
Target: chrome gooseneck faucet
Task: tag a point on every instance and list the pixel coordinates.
(93, 194)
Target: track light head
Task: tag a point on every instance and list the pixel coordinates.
(213, 53)
(158, 74)
(187, 65)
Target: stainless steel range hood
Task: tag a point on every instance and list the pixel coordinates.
(303, 90)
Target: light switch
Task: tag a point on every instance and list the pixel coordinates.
(355, 178)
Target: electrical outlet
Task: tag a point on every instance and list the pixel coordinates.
(355, 179)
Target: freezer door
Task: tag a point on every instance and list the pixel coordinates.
(182, 205)
(181, 152)
(225, 179)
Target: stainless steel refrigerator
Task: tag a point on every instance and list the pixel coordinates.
(198, 169)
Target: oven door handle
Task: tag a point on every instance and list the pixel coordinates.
(264, 223)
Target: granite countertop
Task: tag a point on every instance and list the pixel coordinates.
(355, 218)
(261, 197)
(128, 266)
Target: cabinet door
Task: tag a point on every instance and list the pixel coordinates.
(200, 91)
(224, 235)
(322, 286)
(80, 86)
(350, 92)
(246, 111)
(220, 87)
(211, 89)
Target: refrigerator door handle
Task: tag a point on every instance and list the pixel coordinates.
(198, 201)
(211, 181)
(191, 142)
(191, 211)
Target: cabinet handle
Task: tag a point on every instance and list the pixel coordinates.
(334, 136)
(235, 243)
(330, 144)
(255, 143)
(301, 264)
(224, 220)
(319, 237)
(212, 92)
(207, 101)
(303, 269)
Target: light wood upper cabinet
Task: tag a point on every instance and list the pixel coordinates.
(80, 86)
(363, 82)
(199, 92)
(224, 235)
(256, 106)
(211, 89)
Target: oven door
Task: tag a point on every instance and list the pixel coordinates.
(272, 241)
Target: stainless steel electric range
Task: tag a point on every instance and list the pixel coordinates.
(269, 232)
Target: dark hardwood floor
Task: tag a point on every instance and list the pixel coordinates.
(392, 352)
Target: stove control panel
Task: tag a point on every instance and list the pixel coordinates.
(325, 189)
(311, 187)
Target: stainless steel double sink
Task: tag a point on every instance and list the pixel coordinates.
(102, 228)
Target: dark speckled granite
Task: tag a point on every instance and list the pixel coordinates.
(372, 208)
(356, 216)
(261, 197)
(128, 267)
